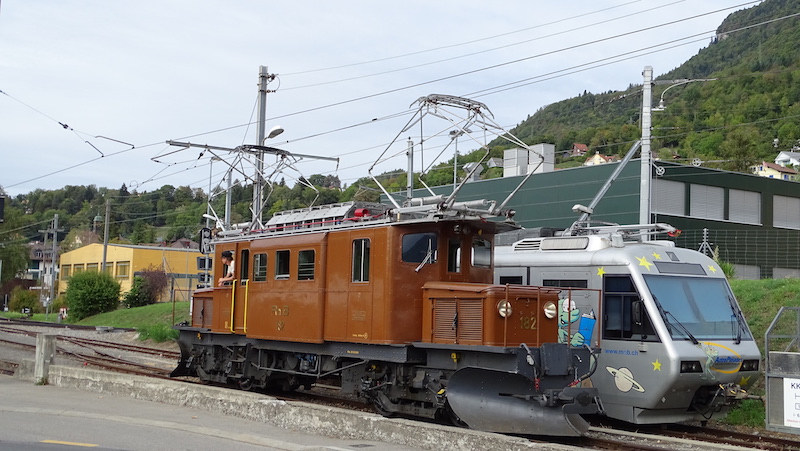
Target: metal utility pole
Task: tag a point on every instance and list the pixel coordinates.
(410, 175)
(258, 183)
(53, 265)
(105, 235)
(53, 262)
(645, 174)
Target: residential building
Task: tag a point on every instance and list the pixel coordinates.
(597, 158)
(774, 171)
(123, 261)
(579, 150)
(788, 159)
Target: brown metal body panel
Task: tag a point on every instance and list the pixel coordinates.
(351, 307)
(386, 309)
(286, 309)
(203, 309)
(467, 314)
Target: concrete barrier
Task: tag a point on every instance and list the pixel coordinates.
(310, 418)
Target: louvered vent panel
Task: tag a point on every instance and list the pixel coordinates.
(444, 312)
(470, 320)
(528, 245)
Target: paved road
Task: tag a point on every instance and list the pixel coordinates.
(56, 418)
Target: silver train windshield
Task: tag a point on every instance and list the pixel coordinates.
(696, 308)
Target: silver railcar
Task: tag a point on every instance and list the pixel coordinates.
(675, 345)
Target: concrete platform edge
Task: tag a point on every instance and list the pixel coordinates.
(311, 418)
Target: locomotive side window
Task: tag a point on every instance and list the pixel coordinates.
(260, 267)
(419, 248)
(565, 283)
(282, 265)
(454, 254)
(624, 314)
(244, 269)
(481, 253)
(305, 265)
(361, 260)
(511, 280)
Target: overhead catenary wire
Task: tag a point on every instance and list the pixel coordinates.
(385, 92)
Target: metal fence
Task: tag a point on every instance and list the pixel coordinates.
(755, 254)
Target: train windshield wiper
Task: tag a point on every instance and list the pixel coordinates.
(682, 327)
(665, 315)
(737, 320)
(428, 257)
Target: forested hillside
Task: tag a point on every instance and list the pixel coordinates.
(736, 118)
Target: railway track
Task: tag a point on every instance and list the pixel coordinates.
(122, 357)
(108, 355)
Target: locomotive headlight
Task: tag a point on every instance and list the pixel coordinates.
(550, 310)
(504, 308)
(749, 365)
(691, 366)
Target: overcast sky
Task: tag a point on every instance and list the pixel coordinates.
(91, 90)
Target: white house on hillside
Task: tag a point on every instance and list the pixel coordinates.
(788, 159)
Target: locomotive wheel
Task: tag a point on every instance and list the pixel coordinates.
(246, 383)
(377, 403)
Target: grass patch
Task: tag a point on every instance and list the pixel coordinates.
(750, 413)
(153, 322)
(157, 332)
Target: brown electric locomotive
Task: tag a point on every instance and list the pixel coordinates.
(401, 312)
(394, 304)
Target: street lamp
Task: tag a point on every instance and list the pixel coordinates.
(678, 82)
(273, 132)
(646, 160)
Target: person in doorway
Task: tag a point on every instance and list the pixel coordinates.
(227, 260)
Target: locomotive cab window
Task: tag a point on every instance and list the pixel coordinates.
(244, 266)
(305, 265)
(361, 249)
(454, 254)
(260, 267)
(481, 253)
(282, 265)
(420, 248)
(624, 314)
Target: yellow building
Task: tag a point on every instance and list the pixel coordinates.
(123, 261)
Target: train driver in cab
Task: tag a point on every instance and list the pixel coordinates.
(227, 259)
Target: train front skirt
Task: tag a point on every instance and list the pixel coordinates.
(496, 401)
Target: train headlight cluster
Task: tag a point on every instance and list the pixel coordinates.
(550, 310)
(691, 366)
(750, 365)
(504, 308)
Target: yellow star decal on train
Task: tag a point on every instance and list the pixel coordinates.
(643, 262)
(656, 365)
(745, 380)
(601, 270)
(656, 256)
(712, 269)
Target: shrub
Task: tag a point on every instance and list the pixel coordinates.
(138, 296)
(22, 298)
(90, 293)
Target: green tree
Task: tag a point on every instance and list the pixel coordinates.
(22, 298)
(90, 293)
